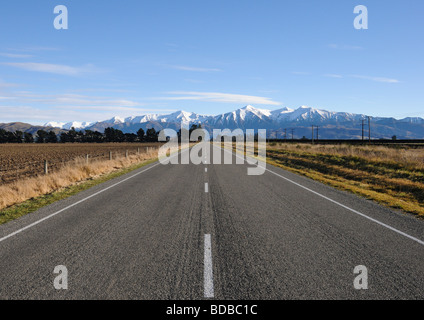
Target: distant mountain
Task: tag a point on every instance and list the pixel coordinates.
(413, 120)
(26, 127)
(69, 125)
(331, 125)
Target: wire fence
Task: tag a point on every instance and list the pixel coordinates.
(22, 170)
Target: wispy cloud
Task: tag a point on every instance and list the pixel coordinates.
(34, 115)
(377, 79)
(194, 69)
(7, 84)
(51, 68)
(332, 75)
(219, 97)
(74, 100)
(15, 55)
(32, 49)
(344, 47)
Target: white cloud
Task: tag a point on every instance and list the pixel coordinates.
(7, 84)
(74, 100)
(377, 79)
(219, 97)
(51, 68)
(332, 75)
(15, 55)
(33, 49)
(40, 116)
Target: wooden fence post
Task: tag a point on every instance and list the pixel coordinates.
(46, 167)
(110, 155)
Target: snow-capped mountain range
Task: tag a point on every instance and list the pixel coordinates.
(340, 125)
(69, 125)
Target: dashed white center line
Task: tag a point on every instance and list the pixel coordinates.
(208, 272)
(206, 169)
(206, 187)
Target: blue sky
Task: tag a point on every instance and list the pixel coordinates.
(135, 57)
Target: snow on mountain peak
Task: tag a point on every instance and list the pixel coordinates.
(54, 124)
(248, 116)
(69, 125)
(116, 120)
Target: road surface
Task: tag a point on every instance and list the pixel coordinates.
(212, 232)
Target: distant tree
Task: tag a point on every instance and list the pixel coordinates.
(87, 136)
(70, 136)
(3, 136)
(64, 137)
(18, 137)
(152, 135)
(114, 135)
(28, 138)
(51, 137)
(98, 137)
(7, 136)
(130, 137)
(42, 136)
(394, 138)
(141, 135)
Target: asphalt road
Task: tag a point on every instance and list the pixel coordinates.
(179, 232)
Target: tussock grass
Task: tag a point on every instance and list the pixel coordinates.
(391, 176)
(71, 174)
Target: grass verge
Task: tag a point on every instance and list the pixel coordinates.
(393, 178)
(31, 205)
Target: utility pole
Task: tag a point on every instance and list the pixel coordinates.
(312, 134)
(363, 125)
(369, 129)
(292, 130)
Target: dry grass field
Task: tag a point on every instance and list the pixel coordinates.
(391, 176)
(72, 166)
(18, 161)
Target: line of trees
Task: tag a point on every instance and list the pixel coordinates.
(72, 136)
(15, 137)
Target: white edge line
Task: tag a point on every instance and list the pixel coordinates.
(339, 204)
(74, 204)
(208, 270)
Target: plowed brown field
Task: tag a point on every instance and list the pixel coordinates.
(27, 160)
